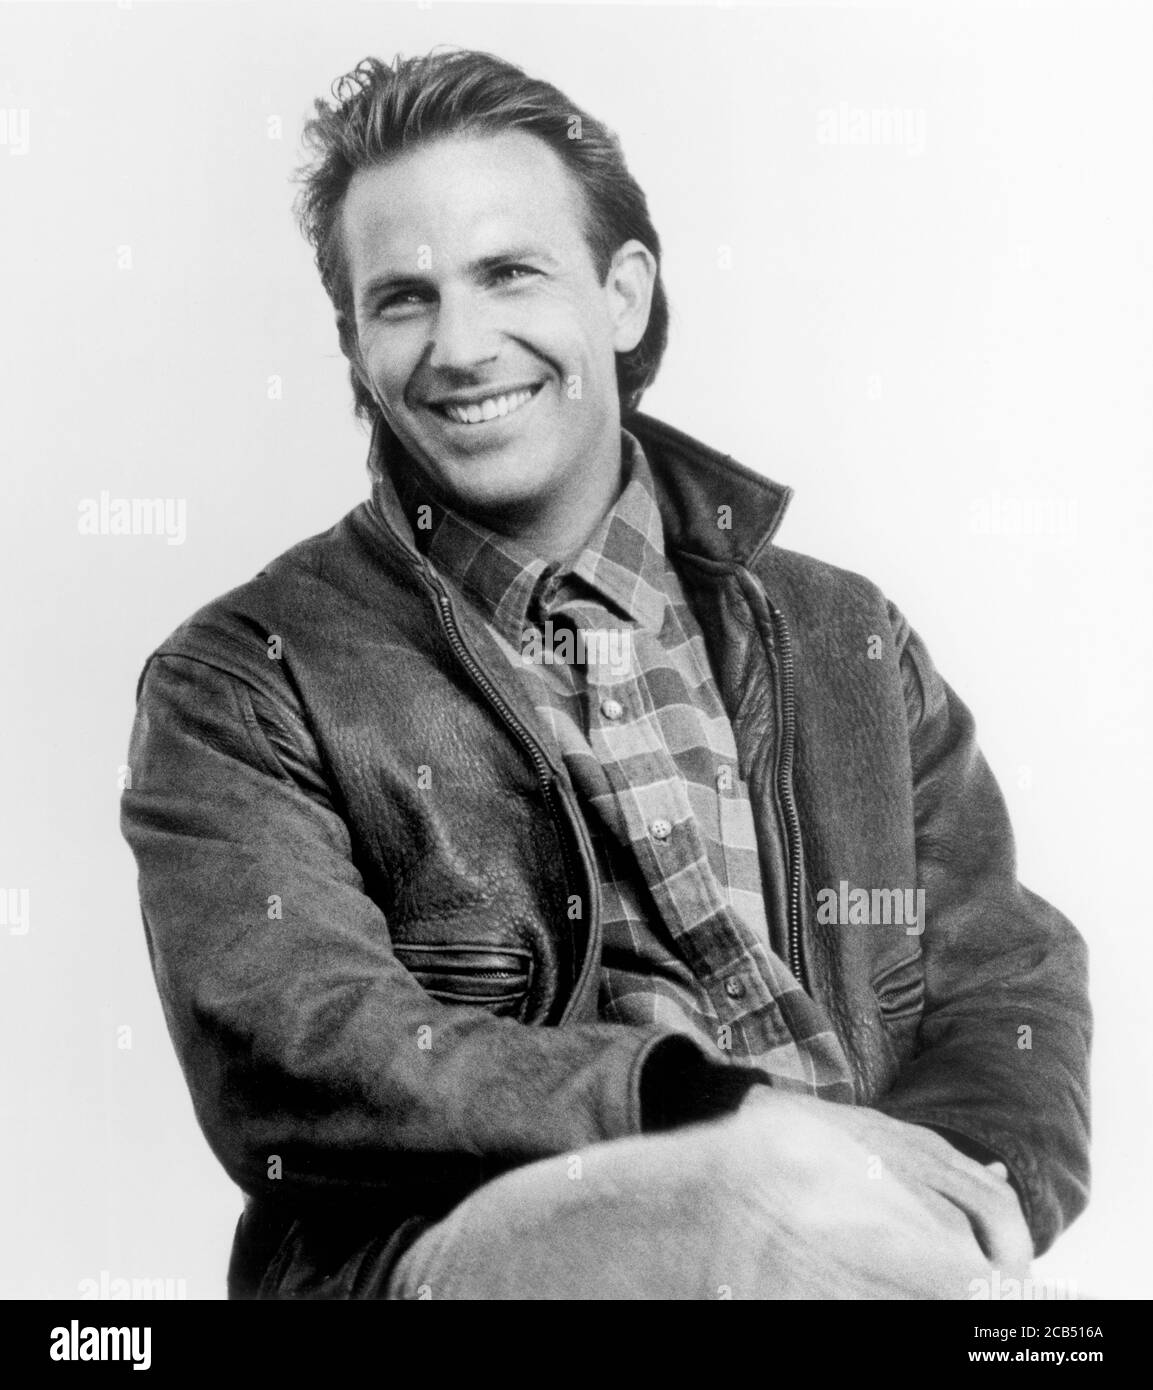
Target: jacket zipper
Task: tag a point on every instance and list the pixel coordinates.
(509, 715)
(785, 790)
(784, 766)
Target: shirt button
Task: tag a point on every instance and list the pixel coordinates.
(612, 709)
(660, 830)
(734, 987)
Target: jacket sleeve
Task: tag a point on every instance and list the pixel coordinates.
(1003, 1047)
(317, 1064)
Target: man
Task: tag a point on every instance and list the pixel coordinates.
(555, 888)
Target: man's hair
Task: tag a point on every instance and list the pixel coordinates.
(380, 111)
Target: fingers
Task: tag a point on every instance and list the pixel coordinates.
(854, 1166)
(928, 1163)
(994, 1213)
(853, 1229)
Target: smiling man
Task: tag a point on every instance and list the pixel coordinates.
(501, 970)
(509, 406)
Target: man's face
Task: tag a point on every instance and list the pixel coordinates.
(482, 329)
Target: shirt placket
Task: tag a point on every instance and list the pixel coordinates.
(649, 810)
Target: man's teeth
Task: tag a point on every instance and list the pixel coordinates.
(490, 409)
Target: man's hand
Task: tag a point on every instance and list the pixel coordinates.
(883, 1204)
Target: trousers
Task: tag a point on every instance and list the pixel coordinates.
(719, 1210)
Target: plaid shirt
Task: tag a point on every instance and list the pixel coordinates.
(620, 677)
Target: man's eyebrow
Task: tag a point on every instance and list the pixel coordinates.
(394, 279)
(516, 253)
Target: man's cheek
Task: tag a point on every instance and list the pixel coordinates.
(389, 361)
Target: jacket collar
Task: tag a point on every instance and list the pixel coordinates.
(712, 507)
(693, 481)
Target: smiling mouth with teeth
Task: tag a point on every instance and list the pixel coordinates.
(492, 408)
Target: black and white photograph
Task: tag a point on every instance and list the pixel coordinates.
(577, 598)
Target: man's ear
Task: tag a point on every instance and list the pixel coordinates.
(629, 285)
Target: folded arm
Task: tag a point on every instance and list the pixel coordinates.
(1003, 1046)
(316, 1062)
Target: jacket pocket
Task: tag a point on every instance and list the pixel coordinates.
(488, 977)
(900, 993)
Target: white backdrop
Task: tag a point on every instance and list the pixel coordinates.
(936, 326)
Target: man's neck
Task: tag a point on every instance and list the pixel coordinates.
(559, 533)
(557, 528)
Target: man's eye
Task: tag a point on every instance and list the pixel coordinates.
(513, 273)
(402, 301)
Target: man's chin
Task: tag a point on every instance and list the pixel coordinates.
(492, 477)
(493, 495)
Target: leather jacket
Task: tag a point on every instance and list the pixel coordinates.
(371, 909)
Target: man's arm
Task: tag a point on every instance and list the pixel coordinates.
(301, 1036)
(1003, 1046)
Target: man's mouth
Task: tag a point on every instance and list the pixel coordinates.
(488, 408)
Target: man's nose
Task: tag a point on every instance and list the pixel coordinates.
(463, 333)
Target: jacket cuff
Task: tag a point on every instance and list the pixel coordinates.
(971, 1148)
(680, 1085)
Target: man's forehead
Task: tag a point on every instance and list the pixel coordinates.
(472, 195)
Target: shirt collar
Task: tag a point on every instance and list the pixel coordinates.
(623, 561)
(712, 507)
(500, 575)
